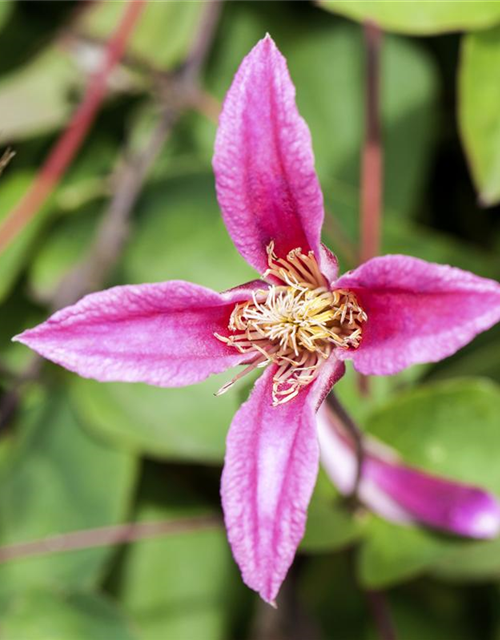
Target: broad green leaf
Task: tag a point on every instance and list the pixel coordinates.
(449, 429)
(59, 479)
(391, 554)
(480, 358)
(181, 585)
(180, 235)
(470, 561)
(177, 424)
(330, 525)
(46, 615)
(36, 97)
(162, 36)
(13, 186)
(479, 112)
(414, 17)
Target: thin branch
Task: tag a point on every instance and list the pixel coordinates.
(202, 43)
(371, 169)
(357, 437)
(377, 602)
(106, 536)
(69, 143)
(5, 158)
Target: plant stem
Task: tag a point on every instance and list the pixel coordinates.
(106, 536)
(71, 140)
(371, 166)
(377, 602)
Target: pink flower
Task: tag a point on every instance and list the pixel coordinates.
(299, 321)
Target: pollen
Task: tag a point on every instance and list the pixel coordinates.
(295, 323)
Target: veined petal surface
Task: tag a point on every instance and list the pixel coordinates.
(264, 165)
(161, 334)
(417, 311)
(269, 475)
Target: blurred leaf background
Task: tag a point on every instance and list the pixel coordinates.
(78, 455)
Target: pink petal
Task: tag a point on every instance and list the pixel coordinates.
(264, 165)
(417, 311)
(161, 334)
(403, 494)
(437, 502)
(269, 475)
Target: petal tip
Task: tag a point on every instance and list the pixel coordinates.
(485, 523)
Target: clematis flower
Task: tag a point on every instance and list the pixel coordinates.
(400, 493)
(299, 321)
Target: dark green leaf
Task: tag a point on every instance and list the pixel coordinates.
(59, 479)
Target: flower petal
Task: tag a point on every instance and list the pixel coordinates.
(437, 502)
(264, 166)
(269, 475)
(417, 311)
(162, 334)
(403, 494)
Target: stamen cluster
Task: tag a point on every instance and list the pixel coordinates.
(295, 323)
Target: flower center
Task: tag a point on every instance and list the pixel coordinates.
(295, 323)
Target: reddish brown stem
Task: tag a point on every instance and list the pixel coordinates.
(69, 143)
(106, 536)
(371, 167)
(377, 601)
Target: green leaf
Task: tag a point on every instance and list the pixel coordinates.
(392, 554)
(182, 585)
(469, 561)
(180, 235)
(419, 18)
(450, 429)
(59, 479)
(479, 110)
(162, 36)
(330, 525)
(404, 236)
(46, 615)
(14, 258)
(36, 97)
(176, 424)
